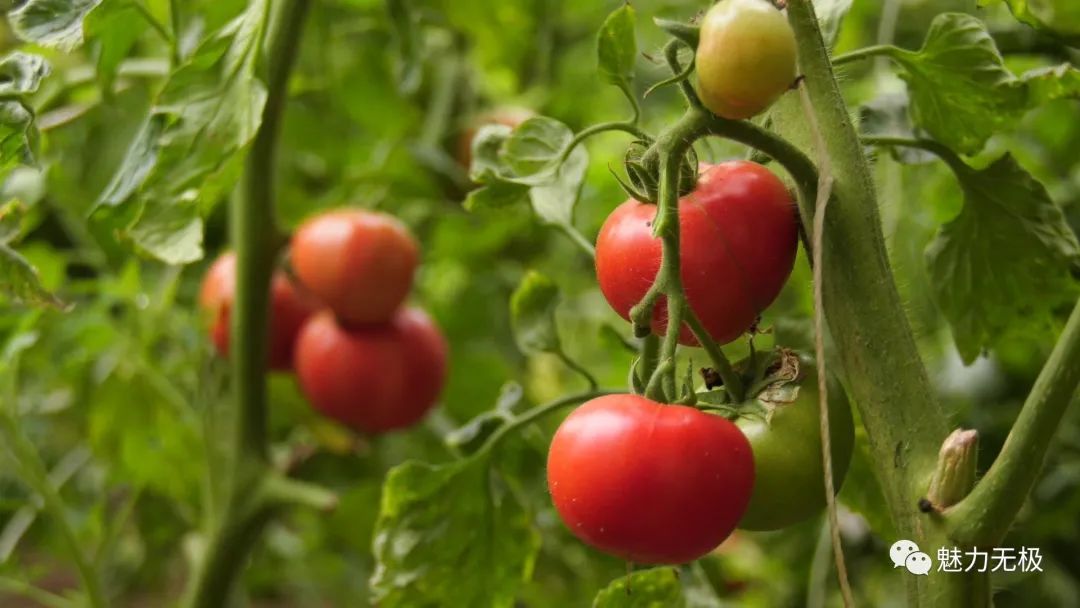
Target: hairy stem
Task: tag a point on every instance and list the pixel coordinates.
(876, 349)
(879, 50)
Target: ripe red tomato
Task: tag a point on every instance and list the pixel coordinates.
(739, 233)
(374, 378)
(648, 482)
(289, 309)
(359, 263)
(745, 57)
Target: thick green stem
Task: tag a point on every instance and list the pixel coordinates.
(255, 239)
(984, 516)
(885, 375)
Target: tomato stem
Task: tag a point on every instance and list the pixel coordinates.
(535, 414)
(866, 53)
(238, 521)
(733, 384)
(986, 514)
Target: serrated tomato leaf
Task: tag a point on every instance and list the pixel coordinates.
(189, 154)
(1005, 259)
(436, 522)
(961, 91)
(958, 83)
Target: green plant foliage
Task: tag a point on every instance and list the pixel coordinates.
(436, 522)
(1007, 258)
(126, 127)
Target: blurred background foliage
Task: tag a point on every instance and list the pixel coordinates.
(116, 393)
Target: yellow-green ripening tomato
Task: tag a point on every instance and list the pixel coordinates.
(745, 57)
(789, 485)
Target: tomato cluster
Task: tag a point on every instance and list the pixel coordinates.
(655, 483)
(362, 357)
(665, 484)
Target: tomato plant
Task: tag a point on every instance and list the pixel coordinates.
(788, 466)
(911, 221)
(746, 57)
(358, 263)
(375, 378)
(651, 483)
(290, 307)
(739, 233)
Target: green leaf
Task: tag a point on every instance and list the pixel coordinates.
(22, 73)
(554, 202)
(1047, 84)
(52, 23)
(20, 280)
(532, 314)
(532, 152)
(616, 46)
(498, 195)
(1058, 17)
(11, 217)
(437, 522)
(16, 125)
(189, 154)
(959, 85)
(653, 588)
(170, 233)
(486, 144)
(1005, 259)
(961, 91)
(113, 29)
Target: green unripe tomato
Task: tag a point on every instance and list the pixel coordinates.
(745, 57)
(789, 485)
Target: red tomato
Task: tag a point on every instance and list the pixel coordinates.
(648, 482)
(359, 263)
(289, 308)
(374, 378)
(739, 233)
